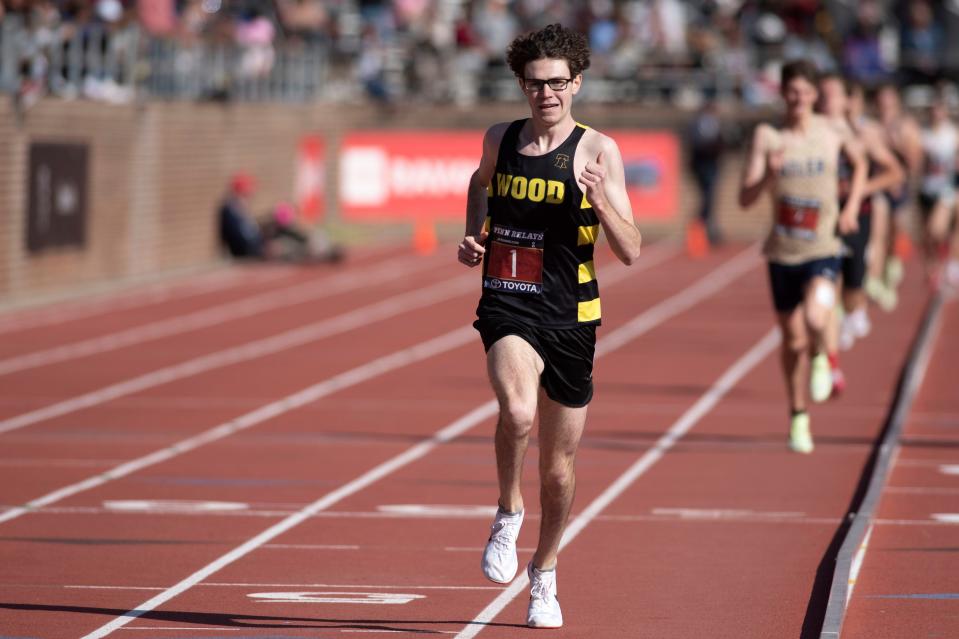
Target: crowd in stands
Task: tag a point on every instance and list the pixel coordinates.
(452, 50)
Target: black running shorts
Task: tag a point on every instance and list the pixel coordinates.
(854, 259)
(789, 281)
(567, 355)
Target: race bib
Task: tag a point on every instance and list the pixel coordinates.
(798, 217)
(515, 260)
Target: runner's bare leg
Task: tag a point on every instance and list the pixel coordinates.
(560, 429)
(514, 369)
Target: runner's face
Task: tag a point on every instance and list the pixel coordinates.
(546, 104)
(800, 96)
(832, 98)
(887, 102)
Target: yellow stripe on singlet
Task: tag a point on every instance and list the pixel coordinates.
(587, 272)
(587, 235)
(486, 223)
(588, 311)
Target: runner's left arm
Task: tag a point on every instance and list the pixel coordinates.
(855, 153)
(889, 174)
(604, 183)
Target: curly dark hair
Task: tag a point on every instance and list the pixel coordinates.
(552, 41)
(799, 69)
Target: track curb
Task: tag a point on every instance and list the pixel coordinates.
(859, 519)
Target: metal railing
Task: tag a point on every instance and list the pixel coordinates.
(98, 62)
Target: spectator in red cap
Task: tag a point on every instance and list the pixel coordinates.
(239, 231)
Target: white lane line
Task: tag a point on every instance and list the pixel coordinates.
(409, 632)
(438, 510)
(348, 321)
(697, 411)
(64, 312)
(724, 514)
(351, 320)
(920, 490)
(275, 585)
(73, 587)
(717, 278)
(216, 315)
(476, 416)
(946, 518)
(480, 549)
(188, 629)
(313, 546)
(949, 469)
(352, 377)
(63, 463)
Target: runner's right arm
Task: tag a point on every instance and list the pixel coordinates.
(758, 171)
(471, 249)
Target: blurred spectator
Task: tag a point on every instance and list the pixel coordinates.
(254, 33)
(862, 58)
(922, 45)
(239, 231)
(705, 147)
(275, 236)
(439, 50)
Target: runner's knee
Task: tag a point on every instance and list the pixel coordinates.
(557, 477)
(517, 416)
(795, 344)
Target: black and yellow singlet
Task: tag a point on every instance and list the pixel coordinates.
(538, 266)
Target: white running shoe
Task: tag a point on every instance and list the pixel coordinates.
(860, 323)
(544, 611)
(820, 378)
(499, 558)
(800, 437)
(847, 333)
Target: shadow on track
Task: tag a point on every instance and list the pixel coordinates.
(228, 620)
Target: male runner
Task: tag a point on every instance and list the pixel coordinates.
(798, 164)
(885, 173)
(903, 136)
(544, 187)
(937, 190)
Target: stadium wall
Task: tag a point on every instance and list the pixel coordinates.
(156, 172)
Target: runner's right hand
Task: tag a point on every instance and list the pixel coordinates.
(471, 249)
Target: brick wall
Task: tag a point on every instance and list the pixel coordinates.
(157, 171)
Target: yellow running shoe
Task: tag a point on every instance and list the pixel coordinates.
(800, 438)
(893, 271)
(820, 378)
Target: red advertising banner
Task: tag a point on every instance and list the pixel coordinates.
(310, 178)
(406, 175)
(651, 160)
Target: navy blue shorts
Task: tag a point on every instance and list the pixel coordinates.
(789, 281)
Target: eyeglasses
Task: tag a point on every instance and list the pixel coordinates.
(556, 84)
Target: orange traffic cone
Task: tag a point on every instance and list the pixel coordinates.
(902, 246)
(697, 244)
(424, 237)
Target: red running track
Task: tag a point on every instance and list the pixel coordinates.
(337, 480)
(907, 585)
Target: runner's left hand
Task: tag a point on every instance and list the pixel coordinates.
(848, 223)
(592, 179)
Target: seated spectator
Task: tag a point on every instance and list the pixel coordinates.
(275, 236)
(239, 231)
